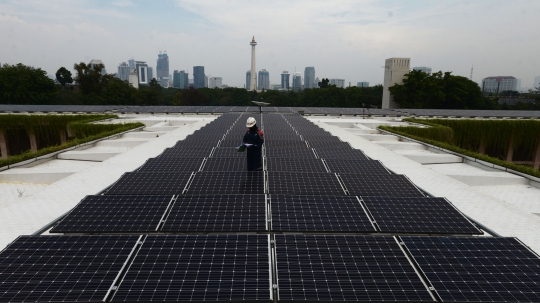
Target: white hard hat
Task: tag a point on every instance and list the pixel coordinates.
(250, 122)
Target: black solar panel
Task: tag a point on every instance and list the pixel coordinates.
(227, 152)
(95, 214)
(379, 185)
(217, 213)
(146, 183)
(318, 214)
(295, 165)
(322, 268)
(62, 268)
(232, 142)
(478, 269)
(168, 164)
(285, 144)
(418, 215)
(340, 153)
(186, 152)
(290, 183)
(199, 268)
(227, 183)
(356, 166)
(302, 153)
(225, 164)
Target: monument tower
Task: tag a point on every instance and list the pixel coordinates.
(253, 82)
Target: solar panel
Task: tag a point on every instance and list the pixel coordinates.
(227, 152)
(217, 213)
(167, 164)
(318, 214)
(199, 268)
(478, 269)
(290, 183)
(418, 215)
(97, 214)
(303, 153)
(231, 142)
(285, 143)
(225, 164)
(186, 152)
(295, 165)
(146, 183)
(356, 166)
(227, 183)
(327, 268)
(340, 153)
(333, 145)
(379, 185)
(62, 268)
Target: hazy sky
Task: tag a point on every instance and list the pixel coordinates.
(340, 38)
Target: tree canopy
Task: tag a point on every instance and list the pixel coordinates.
(63, 76)
(439, 91)
(90, 78)
(22, 84)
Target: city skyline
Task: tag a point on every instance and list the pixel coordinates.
(349, 41)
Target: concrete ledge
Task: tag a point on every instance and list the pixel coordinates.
(378, 137)
(34, 177)
(486, 180)
(88, 155)
(430, 158)
(125, 143)
(160, 128)
(402, 145)
(143, 135)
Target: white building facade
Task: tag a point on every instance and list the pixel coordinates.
(499, 84)
(424, 69)
(338, 82)
(395, 70)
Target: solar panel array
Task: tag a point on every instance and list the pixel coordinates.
(321, 222)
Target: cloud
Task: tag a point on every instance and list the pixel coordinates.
(123, 3)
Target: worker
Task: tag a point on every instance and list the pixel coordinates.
(255, 137)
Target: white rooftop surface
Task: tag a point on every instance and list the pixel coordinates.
(40, 203)
(505, 203)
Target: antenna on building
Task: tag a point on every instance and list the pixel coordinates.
(472, 66)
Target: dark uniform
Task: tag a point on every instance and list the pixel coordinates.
(254, 153)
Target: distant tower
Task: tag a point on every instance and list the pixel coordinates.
(253, 82)
(471, 72)
(394, 71)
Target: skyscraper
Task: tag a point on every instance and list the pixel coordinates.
(362, 84)
(94, 62)
(297, 81)
(253, 81)
(215, 82)
(162, 67)
(123, 71)
(142, 72)
(285, 80)
(150, 73)
(425, 69)
(248, 79)
(264, 80)
(309, 77)
(184, 80)
(499, 84)
(338, 82)
(317, 82)
(199, 77)
(131, 63)
(176, 79)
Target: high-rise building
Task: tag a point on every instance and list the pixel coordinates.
(499, 84)
(131, 63)
(536, 84)
(425, 69)
(205, 81)
(338, 82)
(123, 71)
(176, 79)
(199, 77)
(317, 82)
(248, 79)
(253, 81)
(285, 80)
(362, 84)
(309, 77)
(297, 81)
(150, 73)
(142, 72)
(94, 62)
(215, 82)
(395, 70)
(184, 80)
(264, 80)
(162, 68)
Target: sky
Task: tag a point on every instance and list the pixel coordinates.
(342, 39)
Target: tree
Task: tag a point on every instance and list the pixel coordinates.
(63, 76)
(324, 83)
(22, 84)
(90, 78)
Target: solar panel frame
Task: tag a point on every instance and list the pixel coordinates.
(477, 269)
(226, 152)
(418, 215)
(150, 183)
(217, 213)
(302, 153)
(338, 268)
(340, 153)
(186, 152)
(114, 214)
(225, 164)
(62, 268)
(199, 268)
(303, 183)
(227, 183)
(365, 185)
(329, 214)
(355, 166)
